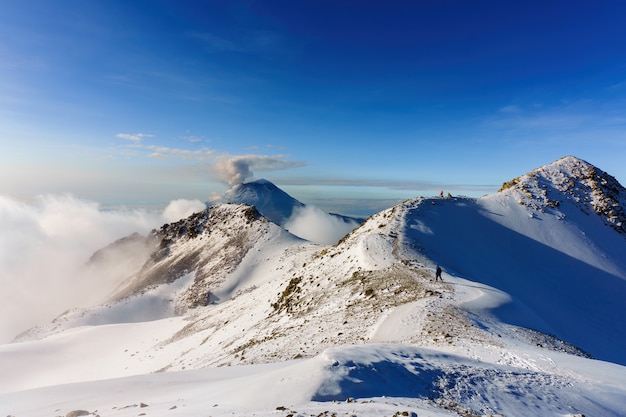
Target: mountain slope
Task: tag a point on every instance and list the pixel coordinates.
(534, 282)
(546, 259)
(275, 204)
(368, 381)
(211, 244)
(575, 182)
(563, 267)
(199, 261)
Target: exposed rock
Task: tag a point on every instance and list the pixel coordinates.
(78, 413)
(587, 187)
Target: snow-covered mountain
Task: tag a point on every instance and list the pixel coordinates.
(533, 288)
(574, 182)
(275, 204)
(554, 241)
(271, 201)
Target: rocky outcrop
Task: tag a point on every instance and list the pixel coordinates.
(209, 244)
(584, 185)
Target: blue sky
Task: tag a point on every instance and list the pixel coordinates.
(347, 105)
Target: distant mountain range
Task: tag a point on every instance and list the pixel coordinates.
(533, 272)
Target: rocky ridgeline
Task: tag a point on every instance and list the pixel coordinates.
(210, 244)
(585, 186)
(212, 217)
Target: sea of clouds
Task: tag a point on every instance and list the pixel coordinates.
(46, 244)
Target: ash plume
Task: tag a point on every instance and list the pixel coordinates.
(238, 169)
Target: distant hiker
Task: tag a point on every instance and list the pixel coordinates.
(441, 193)
(438, 274)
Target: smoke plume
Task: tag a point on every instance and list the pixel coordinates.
(238, 169)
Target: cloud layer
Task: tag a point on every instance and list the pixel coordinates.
(44, 248)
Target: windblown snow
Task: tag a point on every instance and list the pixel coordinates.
(227, 313)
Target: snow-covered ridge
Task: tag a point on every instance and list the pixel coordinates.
(533, 280)
(211, 245)
(574, 180)
(202, 260)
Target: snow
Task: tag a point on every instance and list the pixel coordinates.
(546, 267)
(369, 380)
(356, 329)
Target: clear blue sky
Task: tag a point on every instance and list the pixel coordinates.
(140, 102)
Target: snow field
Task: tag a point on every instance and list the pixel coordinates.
(359, 328)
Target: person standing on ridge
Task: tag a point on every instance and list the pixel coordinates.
(441, 193)
(438, 274)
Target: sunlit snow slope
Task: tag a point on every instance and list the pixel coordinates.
(534, 283)
(562, 264)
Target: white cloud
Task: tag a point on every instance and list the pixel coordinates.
(164, 152)
(45, 247)
(214, 43)
(407, 185)
(619, 85)
(231, 169)
(180, 209)
(510, 109)
(313, 224)
(133, 137)
(247, 42)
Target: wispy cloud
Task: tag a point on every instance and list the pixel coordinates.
(552, 121)
(511, 108)
(133, 137)
(250, 41)
(213, 42)
(357, 207)
(567, 115)
(165, 153)
(388, 184)
(267, 146)
(271, 146)
(232, 169)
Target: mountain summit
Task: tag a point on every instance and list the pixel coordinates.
(573, 181)
(275, 204)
